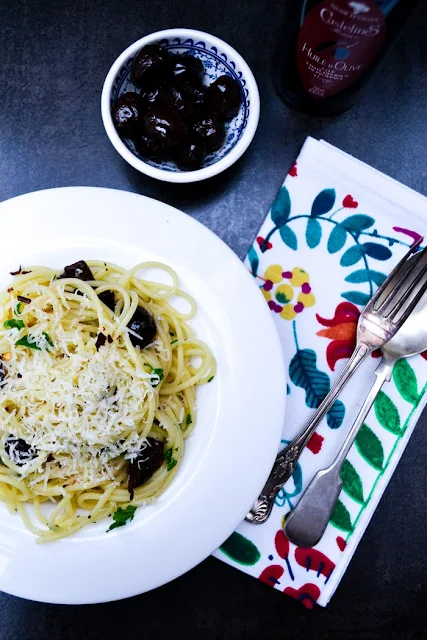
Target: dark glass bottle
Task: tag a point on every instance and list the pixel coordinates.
(329, 49)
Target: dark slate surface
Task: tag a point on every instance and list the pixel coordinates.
(54, 57)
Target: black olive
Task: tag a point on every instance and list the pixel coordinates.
(149, 148)
(141, 468)
(142, 323)
(19, 451)
(183, 98)
(127, 113)
(164, 125)
(79, 270)
(212, 131)
(190, 153)
(155, 97)
(149, 68)
(224, 97)
(107, 297)
(185, 69)
(100, 341)
(199, 97)
(2, 374)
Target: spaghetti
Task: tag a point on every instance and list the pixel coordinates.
(97, 393)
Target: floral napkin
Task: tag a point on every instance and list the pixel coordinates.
(335, 230)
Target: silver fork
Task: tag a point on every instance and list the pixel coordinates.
(382, 317)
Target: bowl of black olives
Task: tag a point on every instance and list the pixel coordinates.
(180, 105)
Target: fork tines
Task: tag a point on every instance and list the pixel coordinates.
(403, 288)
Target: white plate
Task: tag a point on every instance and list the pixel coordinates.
(241, 412)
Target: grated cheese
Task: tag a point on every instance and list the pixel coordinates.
(82, 407)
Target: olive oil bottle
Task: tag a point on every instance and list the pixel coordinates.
(329, 49)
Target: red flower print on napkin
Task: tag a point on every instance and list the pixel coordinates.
(293, 171)
(342, 330)
(272, 574)
(263, 244)
(349, 203)
(313, 560)
(341, 543)
(315, 443)
(282, 544)
(307, 594)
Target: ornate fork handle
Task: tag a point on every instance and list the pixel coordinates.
(286, 460)
(283, 467)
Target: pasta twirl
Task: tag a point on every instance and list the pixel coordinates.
(84, 402)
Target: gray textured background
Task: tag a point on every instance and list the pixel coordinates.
(53, 60)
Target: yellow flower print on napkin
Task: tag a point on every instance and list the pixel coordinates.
(280, 289)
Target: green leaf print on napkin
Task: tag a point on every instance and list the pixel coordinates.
(377, 251)
(304, 373)
(387, 413)
(281, 207)
(351, 256)
(352, 484)
(323, 202)
(406, 381)
(254, 261)
(313, 233)
(335, 415)
(240, 549)
(337, 239)
(359, 222)
(356, 297)
(363, 275)
(289, 238)
(340, 517)
(370, 447)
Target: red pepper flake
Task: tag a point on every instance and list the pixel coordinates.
(19, 272)
(10, 290)
(24, 300)
(100, 341)
(110, 339)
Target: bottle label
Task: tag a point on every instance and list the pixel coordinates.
(337, 42)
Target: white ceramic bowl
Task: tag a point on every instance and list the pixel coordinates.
(218, 59)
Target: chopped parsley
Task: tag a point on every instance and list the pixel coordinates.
(171, 462)
(25, 342)
(188, 419)
(47, 338)
(159, 373)
(19, 308)
(14, 324)
(155, 372)
(121, 516)
(173, 341)
(211, 378)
